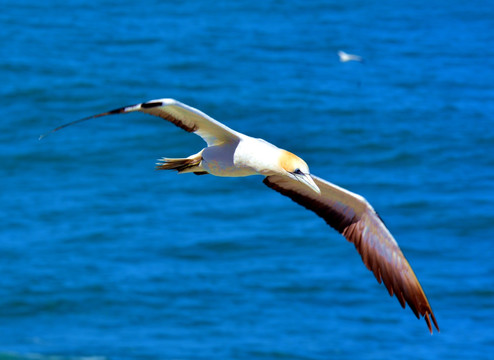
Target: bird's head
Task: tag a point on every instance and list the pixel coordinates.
(297, 169)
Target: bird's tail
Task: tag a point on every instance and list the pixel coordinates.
(182, 165)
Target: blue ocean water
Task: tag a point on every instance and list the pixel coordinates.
(104, 258)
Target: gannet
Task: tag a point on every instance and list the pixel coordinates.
(230, 153)
(345, 57)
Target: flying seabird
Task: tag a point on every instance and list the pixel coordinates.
(345, 57)
(230, 153)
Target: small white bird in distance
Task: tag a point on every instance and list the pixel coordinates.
(345, 57)
(230, 153)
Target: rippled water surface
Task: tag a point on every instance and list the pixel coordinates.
(104, 258)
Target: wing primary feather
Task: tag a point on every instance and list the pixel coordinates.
(111, 112)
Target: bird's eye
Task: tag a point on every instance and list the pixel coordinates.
(298, 172)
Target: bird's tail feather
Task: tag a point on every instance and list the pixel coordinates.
(182, 165)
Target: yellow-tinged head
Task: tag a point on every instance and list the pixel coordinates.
(297, 169)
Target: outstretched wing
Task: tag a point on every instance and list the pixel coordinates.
(183, 116)
(352, 216)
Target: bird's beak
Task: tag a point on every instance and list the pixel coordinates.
(307, 180)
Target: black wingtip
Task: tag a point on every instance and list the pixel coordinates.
(111, 112)
(68, 124)
(151, 104)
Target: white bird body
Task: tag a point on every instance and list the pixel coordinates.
(247, 156)
(230, 153)
(345, 57)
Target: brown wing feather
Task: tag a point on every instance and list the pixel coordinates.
(353, 217)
